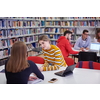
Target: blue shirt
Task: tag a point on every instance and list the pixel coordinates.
(80, 43)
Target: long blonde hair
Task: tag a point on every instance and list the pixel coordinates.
(18, 60)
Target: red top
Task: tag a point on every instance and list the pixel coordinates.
(65, 46)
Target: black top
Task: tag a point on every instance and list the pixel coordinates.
(23, 76)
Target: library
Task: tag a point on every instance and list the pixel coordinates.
(49, 41)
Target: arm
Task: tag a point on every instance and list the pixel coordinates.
(36, 71)
(76, 45)
(69, 48)
(89, 42)
(57, 62)
(47, 67)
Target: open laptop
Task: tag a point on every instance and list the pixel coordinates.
(67, 71)
(94, 47)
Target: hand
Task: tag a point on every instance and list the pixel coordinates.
(31, 78)
(81, 49)
(87, 48)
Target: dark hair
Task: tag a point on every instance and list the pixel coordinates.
(67, 32)
(97, 37)
(85, 31)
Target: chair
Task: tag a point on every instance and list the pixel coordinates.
(87, 56)
(36, 59)
(88, 65)
(69, 61)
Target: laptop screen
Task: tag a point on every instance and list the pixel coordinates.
(95, 46)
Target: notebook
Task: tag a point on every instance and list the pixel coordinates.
(67, 71)
(35, 81)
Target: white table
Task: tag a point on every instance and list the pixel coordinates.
(79, 76)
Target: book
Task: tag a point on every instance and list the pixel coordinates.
(35, 81)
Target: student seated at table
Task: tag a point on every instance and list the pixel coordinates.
(52, 55)
(97, 38)
(83, 42)
(18, 69)
(64, 44)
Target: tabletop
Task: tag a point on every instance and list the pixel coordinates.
(79, 76)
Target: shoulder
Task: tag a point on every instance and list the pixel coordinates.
(31, 62)
(89, 37)
(79, 39)
(54, 47)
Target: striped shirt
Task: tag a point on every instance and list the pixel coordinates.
(53, 59)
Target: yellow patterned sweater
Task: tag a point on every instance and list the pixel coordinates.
(53, 59)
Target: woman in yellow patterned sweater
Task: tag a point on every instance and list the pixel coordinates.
(52, 55)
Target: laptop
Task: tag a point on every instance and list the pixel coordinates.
(94, 47)
(67, 71)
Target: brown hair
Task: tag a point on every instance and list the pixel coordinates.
(97, 37)
(18, 60)
(44, 38)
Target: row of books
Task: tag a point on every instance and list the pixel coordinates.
(37, 24)
(58, 30)
(20, 32)
(66, 18)
(10, 33)
(78, 23)
(56, 36)
(9, 42)
(3, 53)
(52, 23)
(33, 18)
(15, 24)
(53, 42)
(62, 30)
(53, 30)
(7, 52)
(54, 18)
(72, 23)
(2, 61)
(50, 18)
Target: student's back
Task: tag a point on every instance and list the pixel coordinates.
(17, 68)
(65, 46)
(23, 76)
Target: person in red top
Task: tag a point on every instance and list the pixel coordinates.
(64, 44)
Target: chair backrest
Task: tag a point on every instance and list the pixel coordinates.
(88, 65)
(36, 59)
(87, 56)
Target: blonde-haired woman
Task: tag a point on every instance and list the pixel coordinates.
(17, 68)
(52, 55)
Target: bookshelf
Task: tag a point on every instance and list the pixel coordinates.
(55, 26)
(26, 29)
